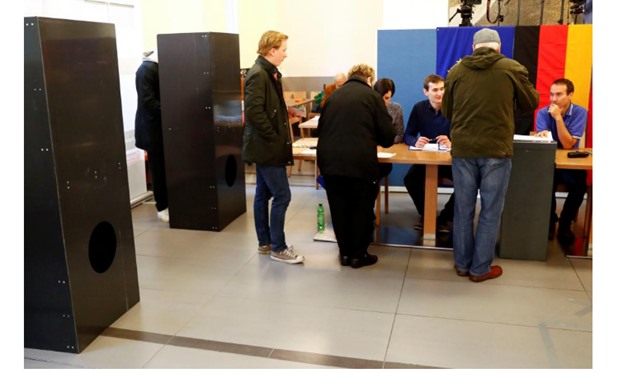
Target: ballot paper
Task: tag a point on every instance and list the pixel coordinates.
(385, 155)
(430, 147)
(533, 138)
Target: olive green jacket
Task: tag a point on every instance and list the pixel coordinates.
(482, 94)
(267, 139)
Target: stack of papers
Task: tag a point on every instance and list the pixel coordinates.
(533, 138)
(385, 155)
(429, 147)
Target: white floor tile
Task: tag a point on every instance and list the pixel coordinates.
(496, 303)
(450, 343)
(297, 327)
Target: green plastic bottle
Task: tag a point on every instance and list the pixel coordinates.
(320, 215)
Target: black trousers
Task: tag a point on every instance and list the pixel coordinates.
(576, 183)
(415, 184)
(157, 168)
(351, 204)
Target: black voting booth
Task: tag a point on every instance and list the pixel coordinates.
(526, 215)
(199, 80)
(80, 273)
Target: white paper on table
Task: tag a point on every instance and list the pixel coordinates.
(533, 138)
(385, 155)
(429, 147)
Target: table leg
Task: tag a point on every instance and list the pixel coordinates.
(315, 174)
(588, 220)
(431, 199)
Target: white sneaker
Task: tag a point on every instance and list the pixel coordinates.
(287, 256)
(164, 215)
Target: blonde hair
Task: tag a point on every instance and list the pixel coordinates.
(363, 71)
(270, 40)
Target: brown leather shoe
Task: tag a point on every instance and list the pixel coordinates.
(495, 272)
(461, 273)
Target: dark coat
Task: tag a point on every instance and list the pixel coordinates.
(148, 133)
(267, 139)
(482, 94)
(353, 122)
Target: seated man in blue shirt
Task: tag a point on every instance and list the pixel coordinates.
(567, 123)
(426, 123)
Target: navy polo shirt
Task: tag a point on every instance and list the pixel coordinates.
(425, 121)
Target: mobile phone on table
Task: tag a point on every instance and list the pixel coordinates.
(578, 154)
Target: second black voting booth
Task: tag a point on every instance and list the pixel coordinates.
(199, 75)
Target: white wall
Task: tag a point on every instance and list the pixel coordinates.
(186, 16)
(415, 14)
(325, 36)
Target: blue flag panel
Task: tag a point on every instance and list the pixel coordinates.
(456, 42)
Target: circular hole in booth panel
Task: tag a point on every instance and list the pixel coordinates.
(102, 247)
(231, 170)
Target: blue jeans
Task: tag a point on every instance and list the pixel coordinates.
(272, 182)
(474, 253)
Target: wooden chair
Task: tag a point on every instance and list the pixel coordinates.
(294, 95)
(312, 114)
(298, 95)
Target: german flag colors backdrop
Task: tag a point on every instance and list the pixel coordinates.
(549, 52)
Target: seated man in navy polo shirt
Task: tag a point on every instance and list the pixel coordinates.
(567, 123)
(426, 123)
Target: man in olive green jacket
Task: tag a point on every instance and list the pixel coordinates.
(482, 93)
(268, 145)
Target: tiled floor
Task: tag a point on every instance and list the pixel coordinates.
(209, 300)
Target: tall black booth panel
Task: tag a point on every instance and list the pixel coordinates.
(199, 79)
(526, 215)
(80, 272)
